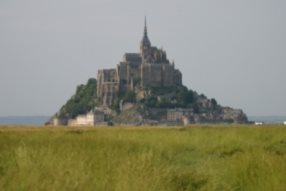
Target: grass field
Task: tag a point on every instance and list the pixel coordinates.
(143, 159)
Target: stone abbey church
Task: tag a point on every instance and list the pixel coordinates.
(149, 67)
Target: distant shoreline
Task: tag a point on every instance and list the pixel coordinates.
(268, 119)
(41, 120)
(24, 120)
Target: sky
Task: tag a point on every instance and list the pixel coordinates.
(230, 50)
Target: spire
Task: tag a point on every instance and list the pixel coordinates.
(145, 41)
(145, 28)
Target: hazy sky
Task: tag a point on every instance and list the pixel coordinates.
(232, 50)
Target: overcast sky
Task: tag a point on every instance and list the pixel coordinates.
(230, 50)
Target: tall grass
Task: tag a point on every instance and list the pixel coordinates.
(141, 159)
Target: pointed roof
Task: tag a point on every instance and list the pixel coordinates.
(145, 41)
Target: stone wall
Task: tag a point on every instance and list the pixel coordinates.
(163, 74)
(107, 86)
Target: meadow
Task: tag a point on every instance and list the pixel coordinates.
(189, 158)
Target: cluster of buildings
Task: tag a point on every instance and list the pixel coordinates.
(179, 115)
(91, 118)
(149, 67)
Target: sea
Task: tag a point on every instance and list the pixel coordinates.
(41, 120)
(24, 120)
(268, 119)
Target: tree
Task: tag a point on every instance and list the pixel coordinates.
(129, 96)
(189, 97)
(214, 102)
(82, 101)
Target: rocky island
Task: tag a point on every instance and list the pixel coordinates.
(144, 88)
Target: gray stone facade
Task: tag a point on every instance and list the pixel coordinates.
(108, 86)
(148, 68)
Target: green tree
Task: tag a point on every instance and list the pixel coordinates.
(214, 102)
(82, 101)
(129, 96)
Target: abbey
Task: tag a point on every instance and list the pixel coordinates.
(149, 67)
(144, 88)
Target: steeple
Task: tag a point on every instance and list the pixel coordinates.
(145, 43)
(145, 28)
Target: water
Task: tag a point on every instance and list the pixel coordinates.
(40, 120)
(268, 119)
(24, 120)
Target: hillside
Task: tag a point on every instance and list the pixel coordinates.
(81, 102)
(150, 104)
(154, 103)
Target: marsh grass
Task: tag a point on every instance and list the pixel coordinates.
(143, 159)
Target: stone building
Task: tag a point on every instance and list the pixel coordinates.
(179, 115)
(107, 85)
(90, 119)
(149, 67)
